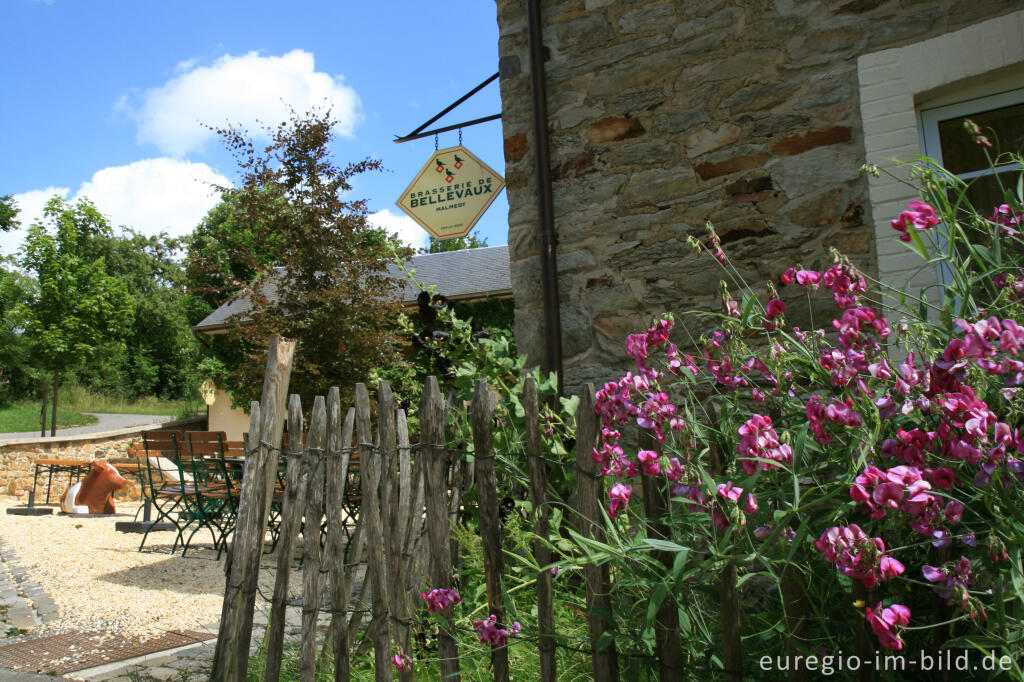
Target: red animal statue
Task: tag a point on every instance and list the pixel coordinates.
(96, 491)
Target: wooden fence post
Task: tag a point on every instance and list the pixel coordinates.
(296, 484)
(666, 625)
(231, 657)
(481, 414)
(311, 591)
(436, 453)
(376, 569)
(401, 607)
(590, 487)
(339, 443)
(541, 528)
(728, 592)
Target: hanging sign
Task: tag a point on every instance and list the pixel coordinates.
(451, 192)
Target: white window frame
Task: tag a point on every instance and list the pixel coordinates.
(930, 117)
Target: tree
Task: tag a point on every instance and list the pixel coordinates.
(78, 306)
(15, 375)
(320, 268)
(8, 213)
(472, 240)
(159, 352)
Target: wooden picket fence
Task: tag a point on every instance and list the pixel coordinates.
(409, 495)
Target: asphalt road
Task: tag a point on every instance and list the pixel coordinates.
(105, 422)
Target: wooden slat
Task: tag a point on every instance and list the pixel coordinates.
(370, 461)
(311, 591)
(391, 501)
(231, 657)
(666, 626)
(296, 484)
(341, 584)
(436, 454)
(541, 528)
(590, 489)
(481, 414)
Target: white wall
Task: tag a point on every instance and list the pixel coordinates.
(893, 85)
(233, 422)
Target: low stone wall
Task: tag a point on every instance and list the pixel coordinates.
(17, 459)
(17, 463)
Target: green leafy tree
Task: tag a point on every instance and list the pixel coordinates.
(8, 213)
(293, 242)
(159, 352)
(472, 240)
(78, 306)
(15, 373)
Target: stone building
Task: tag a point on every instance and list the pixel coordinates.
(754, 115)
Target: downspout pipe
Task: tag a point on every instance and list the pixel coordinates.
(549, 264)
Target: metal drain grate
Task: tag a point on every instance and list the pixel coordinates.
(71, 651)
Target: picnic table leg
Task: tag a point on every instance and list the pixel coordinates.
(32, 493)
(49, 480)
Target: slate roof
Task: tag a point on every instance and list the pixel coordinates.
(459, 275)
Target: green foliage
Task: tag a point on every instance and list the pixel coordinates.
(473, 240)
(291, 241)
(8, 213)
(16, 375)
(78, 307)
(159, 352)
(19, 417)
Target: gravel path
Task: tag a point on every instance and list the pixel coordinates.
(105, 422)
(100, 581)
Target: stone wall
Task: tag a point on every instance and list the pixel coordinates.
(17, 463)
(666, 114)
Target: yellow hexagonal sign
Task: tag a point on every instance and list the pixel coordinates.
(451, 192)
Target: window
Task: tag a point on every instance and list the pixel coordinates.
(1001, 119)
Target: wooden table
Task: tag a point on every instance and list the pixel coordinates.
(72, 467)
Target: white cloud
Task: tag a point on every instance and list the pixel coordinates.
(243, 90)
(150, 196)
(408, 229)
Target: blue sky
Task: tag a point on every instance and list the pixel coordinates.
(105, 98)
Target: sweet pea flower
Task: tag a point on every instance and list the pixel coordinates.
(619, 493)
(727, 491)
(918, 215)
(401, 661)
(438, 599)
(883, 623)
(488, 632)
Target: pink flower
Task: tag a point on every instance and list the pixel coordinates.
(438, 599)
(858, 556)
(919, 215)
(619, 493)
(760, 445)
(401, 661)
(649, 462)
(489, 632)
(729, 492)
(884, 621)
(751, 506)
(774, 308)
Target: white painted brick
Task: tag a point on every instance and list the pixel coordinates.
(880, 74)
(881, 91)
(893, 191)
(889, 105)
(877, 59)
(890, 122)
(896, 142)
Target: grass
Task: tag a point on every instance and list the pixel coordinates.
(78, 399)
(74, 400)
(18, 417)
